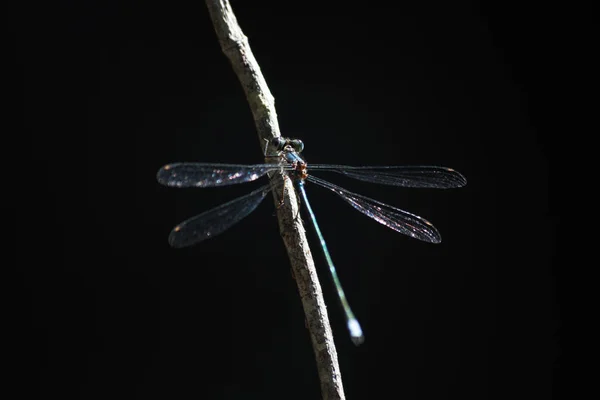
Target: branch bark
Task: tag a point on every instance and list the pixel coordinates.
(235, 46)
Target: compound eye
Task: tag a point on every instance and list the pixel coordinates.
(297, 145)
(278, 142)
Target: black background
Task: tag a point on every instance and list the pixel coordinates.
(110, 91)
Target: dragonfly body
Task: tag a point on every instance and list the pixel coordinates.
(286, 153)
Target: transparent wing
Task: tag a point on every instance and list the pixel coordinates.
(407, 176)
(215, 221)
(392, 217)
(202, 175)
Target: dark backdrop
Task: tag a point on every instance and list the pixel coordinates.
(110, 91)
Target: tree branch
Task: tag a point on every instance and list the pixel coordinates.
(235, 46)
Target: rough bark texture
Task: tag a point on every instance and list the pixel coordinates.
(235, 46)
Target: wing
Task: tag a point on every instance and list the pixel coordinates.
(392, 217)
(217, 220)
(407, 176)
(202, 175)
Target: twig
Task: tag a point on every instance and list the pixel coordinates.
(235, 46)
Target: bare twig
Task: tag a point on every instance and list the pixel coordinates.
(235, 46)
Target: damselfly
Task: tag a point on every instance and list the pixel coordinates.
(286, 152)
